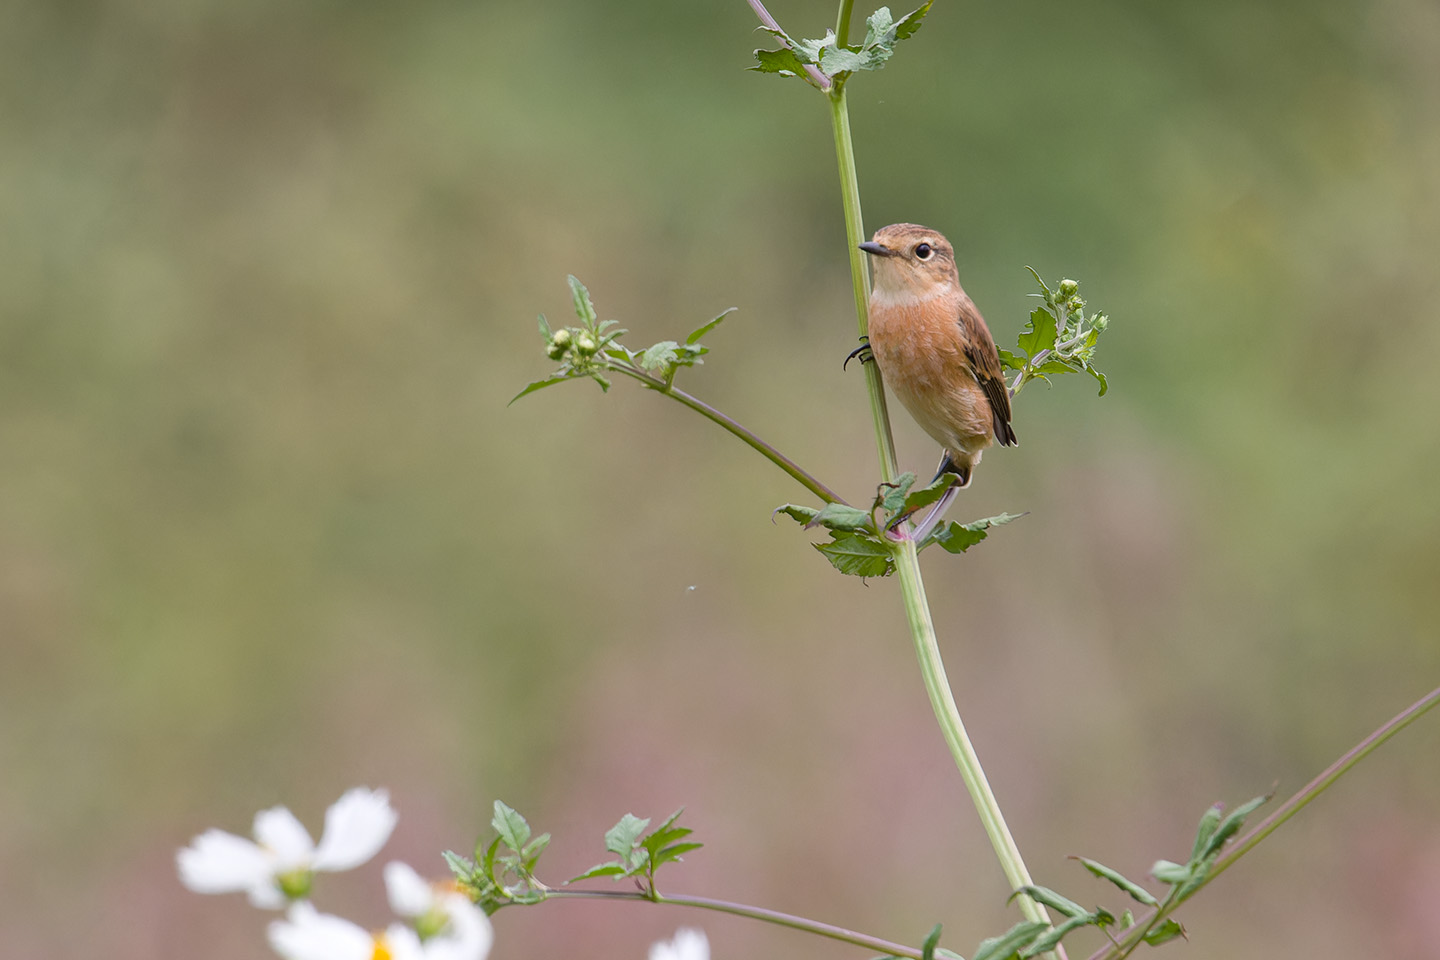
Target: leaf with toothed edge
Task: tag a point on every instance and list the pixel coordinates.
(857, 556)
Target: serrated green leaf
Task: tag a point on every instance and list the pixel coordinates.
(857, 556)
(783, 62)
(699, 332)
(1055, 365)
(1039, 333)
(513, 829)
(840, 516)
(908, 24)
(810, 51)
(928, 495)
(1009, 361)
(462, 867)
(879, 28)
(1231, 825)
(796, 512)
(1209, 821)
(927, 949)
(620, 839)
(675, 852)
(584, 308)
(658, 357)
(838, 60)
(611, 869)
(896, 492)
(1168, 871)
(957, 537)
(539, 385)
(1051, 899)
(1051, 938)
(1137, 892)
(1011, 942)
(1168, 930)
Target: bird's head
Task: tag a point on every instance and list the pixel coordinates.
(911, 261)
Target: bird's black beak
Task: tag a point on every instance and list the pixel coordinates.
(875, 249)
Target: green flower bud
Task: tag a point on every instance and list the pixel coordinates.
(560, 338)
(1100, 322)
(585, 345)
(555, 351)
(1068, 288)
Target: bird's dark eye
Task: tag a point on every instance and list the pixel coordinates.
(923, 252)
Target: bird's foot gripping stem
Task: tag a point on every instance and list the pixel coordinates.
(863, 353)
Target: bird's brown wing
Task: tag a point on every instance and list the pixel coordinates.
(985, 363)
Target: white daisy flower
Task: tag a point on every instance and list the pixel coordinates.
(282, 859)
(448, 924)
(689, 944)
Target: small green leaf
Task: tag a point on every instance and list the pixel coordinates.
(928, 495)
(840, 516)
(857, 556)
(1039, 333)
(584, 308)
(620, 839)
(545, 327)
(796, 512)
(1104, 385)
(909, 23)
(658, 358)
(1168, 930)
(462, 867)
(1137, 892)
(927, 949)
(944, 954)
(513, 829)
(838, 60)
(1052, 900)
(879, 28)
(1208, 822)
(1051, 938)
(535, 847)
(783, 62)
(1011, 942)
(611, 869)
(958, 537)
(600, 378)
(1168, 871)
(675, 852)
(699, 332)
(539, 385)
(1127, 919)
(1055, 365)
(1009, 361)
(1231, 825)
(895, 493)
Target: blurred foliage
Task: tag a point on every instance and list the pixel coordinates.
(267, 529)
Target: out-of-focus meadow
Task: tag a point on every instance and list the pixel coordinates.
(268, 276)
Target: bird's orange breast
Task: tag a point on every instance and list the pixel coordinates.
(920, 350)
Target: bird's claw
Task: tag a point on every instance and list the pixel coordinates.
(863, 352)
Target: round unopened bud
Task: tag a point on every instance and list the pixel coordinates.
(1100, 322)
(585, 345)
(1068, 288)
(560, 338)
(555, 351)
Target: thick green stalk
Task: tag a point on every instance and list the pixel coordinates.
(907, 561)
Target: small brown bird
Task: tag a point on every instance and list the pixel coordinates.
(933, 347)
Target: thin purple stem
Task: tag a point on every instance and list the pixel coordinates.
(821, 81)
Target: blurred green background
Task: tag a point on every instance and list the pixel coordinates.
(268, 276)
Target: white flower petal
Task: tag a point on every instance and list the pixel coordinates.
(403, 943)
(307, 934)
(410, 895)
(689, 944)
(468, 935)
(356, 827)
(278, 831)
(267, 895)
(220, 862)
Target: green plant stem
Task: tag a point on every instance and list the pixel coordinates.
(842, 22)
(907, 561)
(704, 409)
(1128, 938)
(753, 913)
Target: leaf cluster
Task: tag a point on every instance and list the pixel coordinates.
(639, 854)
(593, 349)
(1029, 938)
(860, 542)
(1058, 338)
(835, 60)
(503, 871)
